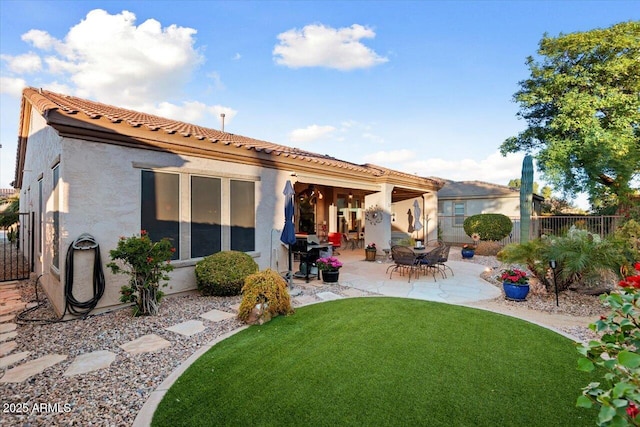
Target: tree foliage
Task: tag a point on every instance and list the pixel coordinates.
(10, 215)
(582, 107)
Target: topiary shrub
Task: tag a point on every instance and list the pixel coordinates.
(488, 226)
(268, 290)
(224, 273)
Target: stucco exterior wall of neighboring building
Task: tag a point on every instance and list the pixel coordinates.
(451, 228)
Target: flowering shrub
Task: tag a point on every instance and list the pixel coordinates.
(371, 246)
(147, 263)
(469, 246)
(329, 264)
(514, 276)
(617, 351)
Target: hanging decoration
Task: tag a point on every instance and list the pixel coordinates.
(373, 215)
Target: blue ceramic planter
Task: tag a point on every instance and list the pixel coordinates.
(468, 253)
(515, 292)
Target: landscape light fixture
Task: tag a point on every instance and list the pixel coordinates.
(553, 265)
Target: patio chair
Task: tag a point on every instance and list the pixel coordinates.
(429, 262)
(444, 257)
(404, 259)
(349, 241)
(336, 241)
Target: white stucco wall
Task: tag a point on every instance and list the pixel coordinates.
(43, 152)
(100, 195)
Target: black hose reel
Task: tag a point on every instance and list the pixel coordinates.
(84, 242)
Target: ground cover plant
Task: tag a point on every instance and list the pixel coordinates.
(383, 361)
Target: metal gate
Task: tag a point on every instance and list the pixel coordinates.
(16, 249)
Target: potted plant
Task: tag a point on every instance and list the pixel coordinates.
(330, 268)
(515, 284)
(370, 252)
(469, 249)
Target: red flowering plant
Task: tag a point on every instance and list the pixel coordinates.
(617, 352)
(329, 264)
(514, 276)
(147, 264)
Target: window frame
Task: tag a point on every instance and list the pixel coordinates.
(456, 216)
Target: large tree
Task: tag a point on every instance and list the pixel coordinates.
(582, 107)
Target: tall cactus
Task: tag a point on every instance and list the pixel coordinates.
(526, 198)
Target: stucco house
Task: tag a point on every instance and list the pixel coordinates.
(460, 199)
(87, 167)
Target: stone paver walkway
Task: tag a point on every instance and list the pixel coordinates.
(18, 368)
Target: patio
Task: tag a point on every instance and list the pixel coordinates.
(465, 286)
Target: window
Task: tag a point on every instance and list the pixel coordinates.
(243, 215)
(160, 215)
(222, 212)
(206, 218)
(56, 216)
(458, 212)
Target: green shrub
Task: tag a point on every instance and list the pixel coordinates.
(488, 226)
(580, 256)
(268, 289)
(146, 263)
(224, 273)
(616, 353)
(628, 235)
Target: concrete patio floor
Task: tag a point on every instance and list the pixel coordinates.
(462, 287)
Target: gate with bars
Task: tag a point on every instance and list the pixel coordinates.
(16, 248)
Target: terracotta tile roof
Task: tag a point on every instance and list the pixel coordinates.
(469, 189)
(45, 101)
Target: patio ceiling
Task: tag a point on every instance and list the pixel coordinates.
(399, 194)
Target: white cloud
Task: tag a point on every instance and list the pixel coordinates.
(25, 63)
(494, 168)
(320, 46)
(217, 110)
(310, 133)
(388, 158)
(192, 112)
(111, 59)
(40, 39)
(12, 86)
(217, 81)
(373, 137)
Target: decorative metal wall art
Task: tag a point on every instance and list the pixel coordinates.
(373, 215)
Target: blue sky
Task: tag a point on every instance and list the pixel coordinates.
(422, 87)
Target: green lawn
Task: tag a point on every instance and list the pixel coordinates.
(383, 361)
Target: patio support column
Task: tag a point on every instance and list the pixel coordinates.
(379, 233)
